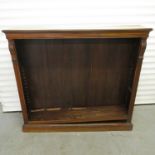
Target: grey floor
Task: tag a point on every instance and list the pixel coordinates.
(140, 141)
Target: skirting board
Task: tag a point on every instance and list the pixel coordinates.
(77, 127)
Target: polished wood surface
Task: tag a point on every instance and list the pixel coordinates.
(78, 114)
(115, 126)
(78, 76)
(60, 34)
(67, 73)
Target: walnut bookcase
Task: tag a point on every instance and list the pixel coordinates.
(77, 80)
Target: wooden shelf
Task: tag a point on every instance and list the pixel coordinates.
(83, 114)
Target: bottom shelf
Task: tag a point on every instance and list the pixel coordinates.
(78, 114)
(119, 126)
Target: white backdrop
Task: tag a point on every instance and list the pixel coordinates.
(71, 14)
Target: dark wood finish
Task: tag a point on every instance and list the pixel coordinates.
(77, 80)
(12, 49)
(60, 34)
(78, 114)
(125, 126)
(141, 51)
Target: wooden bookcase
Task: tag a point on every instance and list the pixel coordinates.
(77, 80)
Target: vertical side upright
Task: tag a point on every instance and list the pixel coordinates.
(18, 79)
(138, 66)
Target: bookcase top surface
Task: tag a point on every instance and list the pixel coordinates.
(117, 32)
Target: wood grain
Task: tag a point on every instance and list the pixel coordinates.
(76, 115)
(77, 80)
(79, 72)
(77, 127)
(59, 34)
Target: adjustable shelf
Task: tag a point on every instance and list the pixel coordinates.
(77, 80)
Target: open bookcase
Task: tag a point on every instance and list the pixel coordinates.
(77, 80)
